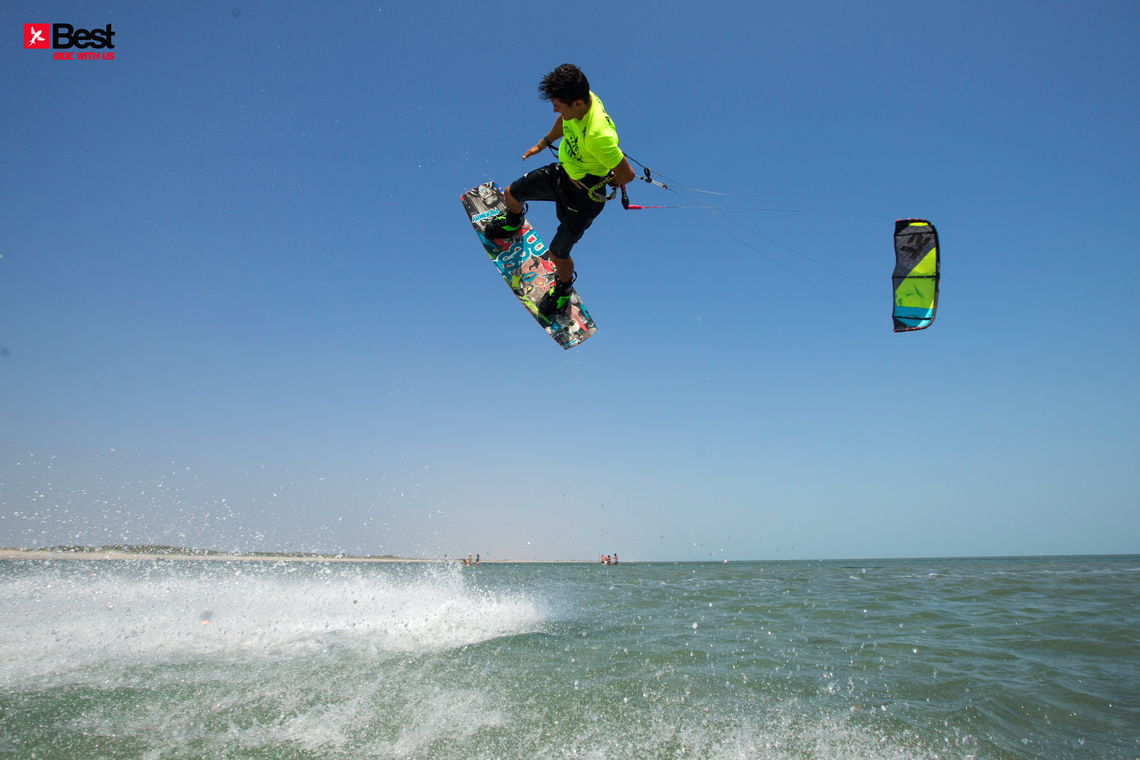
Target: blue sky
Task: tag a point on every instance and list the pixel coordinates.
(242, 307)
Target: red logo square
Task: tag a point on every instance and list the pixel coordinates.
(36, 36)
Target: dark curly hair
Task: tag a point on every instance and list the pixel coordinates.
(566, 83)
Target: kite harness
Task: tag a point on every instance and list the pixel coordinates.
(592, 192)
(600, 198)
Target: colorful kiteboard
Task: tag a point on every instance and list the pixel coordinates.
(524, 262)
(916, 276)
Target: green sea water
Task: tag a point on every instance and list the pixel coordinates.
(954, 658)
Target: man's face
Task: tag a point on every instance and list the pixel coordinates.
(568, 111)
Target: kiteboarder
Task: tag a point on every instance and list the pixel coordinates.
(588, 159)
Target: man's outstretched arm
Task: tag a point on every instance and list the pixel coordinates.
(554, 133)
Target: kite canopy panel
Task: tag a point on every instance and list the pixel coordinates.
(916, 274)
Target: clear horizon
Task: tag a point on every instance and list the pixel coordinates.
(237, 555)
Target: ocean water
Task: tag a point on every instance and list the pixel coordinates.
(957, 658)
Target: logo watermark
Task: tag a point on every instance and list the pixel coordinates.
(65, 37)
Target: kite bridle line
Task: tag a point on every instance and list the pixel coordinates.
(790, 208)
(719, 217)
(647, 177)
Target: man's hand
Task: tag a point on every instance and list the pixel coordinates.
(538, 148)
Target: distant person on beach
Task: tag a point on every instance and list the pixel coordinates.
(615, 558)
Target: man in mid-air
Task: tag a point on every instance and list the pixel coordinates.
(588, 160)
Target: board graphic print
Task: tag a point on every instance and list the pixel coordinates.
(525, 265)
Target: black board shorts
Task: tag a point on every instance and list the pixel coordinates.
(572, 204)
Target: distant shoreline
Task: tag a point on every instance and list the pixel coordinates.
(190, 556)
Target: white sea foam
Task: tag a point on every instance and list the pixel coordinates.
(337, 661)
(65, 621)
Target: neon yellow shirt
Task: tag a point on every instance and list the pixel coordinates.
(590, 144)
